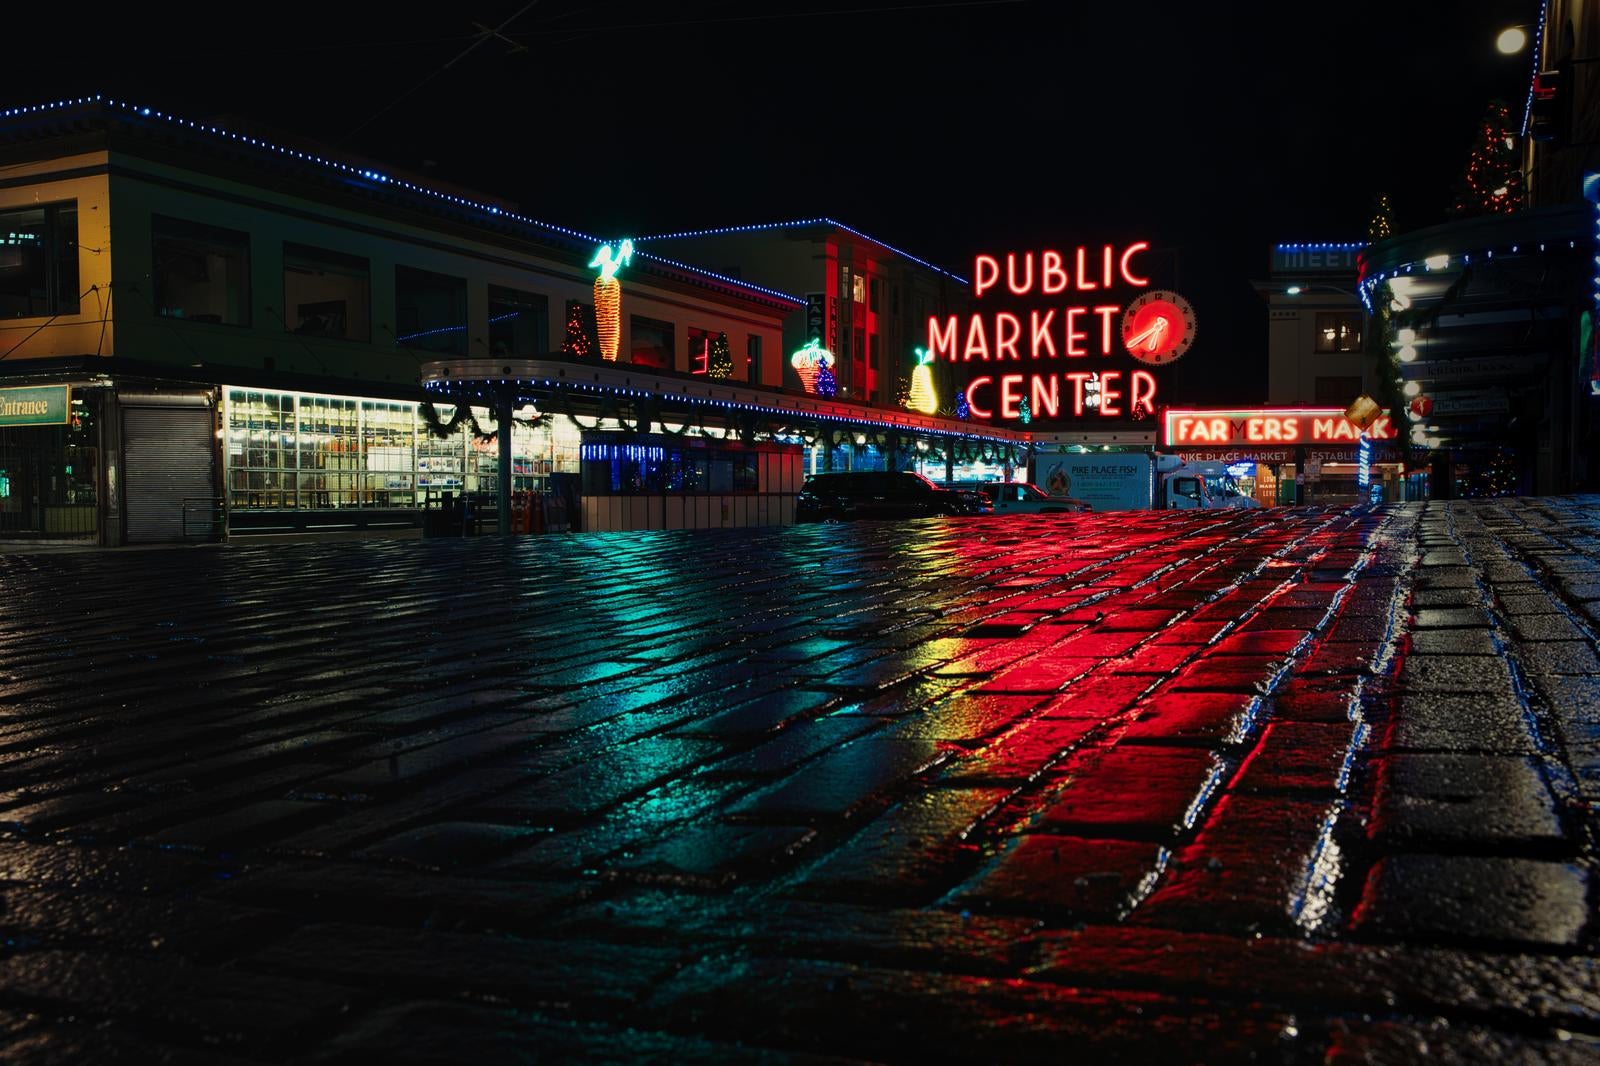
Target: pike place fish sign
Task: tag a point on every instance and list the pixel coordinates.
(1052, 329)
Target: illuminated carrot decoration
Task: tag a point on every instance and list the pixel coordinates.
(608, 296)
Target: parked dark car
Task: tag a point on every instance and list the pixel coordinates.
(881, 494)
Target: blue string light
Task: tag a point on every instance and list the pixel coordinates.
(375, 177)
(1533, 75)
(1323, 246)
(797, 223)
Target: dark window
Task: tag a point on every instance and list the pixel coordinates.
(326, 294)
(872, 350)
(651, 342)
(894, 300)
(201, 273)
(1338, 331)
(752, 351)
(1338, 392)
(430, 311)
(39, 261)
(874, 287)
(519, 322)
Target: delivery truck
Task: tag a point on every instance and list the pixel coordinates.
(1128, 481)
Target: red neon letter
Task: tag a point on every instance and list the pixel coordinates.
(1106, 315)
(972, 404)
(1052, 279)
(1075, 336)
(1127, 257)
(1011, 274)
(1084, 283)
(1041, 333)
(1106, 276)
(942, 342)
(984, 279)
(1108, 394)
(1046, 404)
(1005, 340)
(977, 341)
(1010, 395)
(1143, 391)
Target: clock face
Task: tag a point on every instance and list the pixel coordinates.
(1158, 327)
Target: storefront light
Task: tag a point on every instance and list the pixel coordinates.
(1412, 389)
(1406, 335)
(1408, 354)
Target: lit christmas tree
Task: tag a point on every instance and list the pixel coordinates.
(577, 343)
(719, 364)
(902, 393)
(1492, 184)
(963, 409)
(1025, 412)
(1381, 224)
(827, 385)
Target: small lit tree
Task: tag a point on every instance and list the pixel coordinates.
(1492, 184)
(719, 363)
(577, 342)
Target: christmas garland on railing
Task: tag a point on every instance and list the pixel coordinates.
(440, 427)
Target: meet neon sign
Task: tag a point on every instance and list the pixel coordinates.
(1062, 323)
(1289, 425)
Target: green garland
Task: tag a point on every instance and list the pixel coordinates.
(443, 428)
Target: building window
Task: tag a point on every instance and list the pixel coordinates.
(1336, 392)
(326, 294)
(858, 288)
(201, 273)
(430, 311)
(651, 343)
(700, 341)
(874, 289)
(752, 353)
(872, 350)
(1338, 331)
(894, 300)
(519, 322)
(39, 261)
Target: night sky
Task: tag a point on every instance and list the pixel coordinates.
(942, 128)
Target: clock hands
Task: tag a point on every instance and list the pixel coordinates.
(1150, 340)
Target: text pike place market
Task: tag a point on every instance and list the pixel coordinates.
(1089, 303)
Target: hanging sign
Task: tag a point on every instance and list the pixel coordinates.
(1051, 330)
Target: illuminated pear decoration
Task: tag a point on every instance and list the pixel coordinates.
(608, 296)
(922, 397)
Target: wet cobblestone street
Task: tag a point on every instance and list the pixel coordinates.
(1290, 784)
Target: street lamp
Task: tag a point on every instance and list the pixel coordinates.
(1512, 40)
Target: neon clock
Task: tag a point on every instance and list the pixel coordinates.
(1158, 327)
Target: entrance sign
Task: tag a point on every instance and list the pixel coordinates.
(42, 405)
(1046, 323)
(1287, 425)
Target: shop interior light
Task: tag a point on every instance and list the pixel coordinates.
(1294, 290)
(1436, 262)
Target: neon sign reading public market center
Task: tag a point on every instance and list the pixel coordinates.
(1061, 313)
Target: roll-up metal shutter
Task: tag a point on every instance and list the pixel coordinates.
(168, 457)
